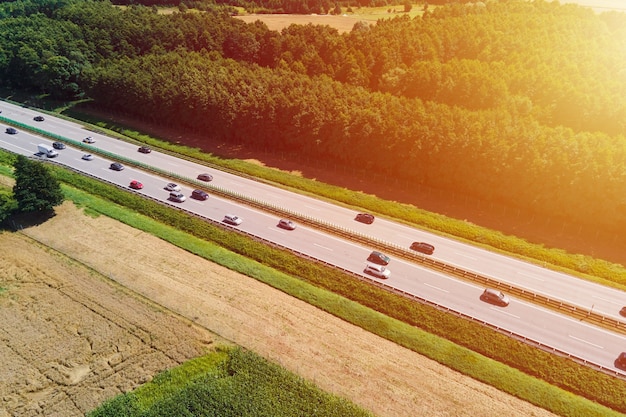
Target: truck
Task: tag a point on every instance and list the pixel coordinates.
(47, 150)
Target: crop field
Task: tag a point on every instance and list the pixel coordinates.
(92, 308)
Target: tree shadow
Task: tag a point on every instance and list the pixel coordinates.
(21, 221)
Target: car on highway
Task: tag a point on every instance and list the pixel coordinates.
(38, 118)
(170, 186)
(620, 362)
(58, 145)
(177, 196)
(136, 185)
(423, 247)
(232, 219)
(88, 157)
(364, 218)
(622, 312)
(286, 224)
(89, 139)
(144, 149)
(199, 195)
(493, 296)
(205, 177)
(378, 271)
(11, 131)
(378, 258)
(116, 166)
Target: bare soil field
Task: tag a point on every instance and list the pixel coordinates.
(345, 23)
(91, 308)
(278, 22)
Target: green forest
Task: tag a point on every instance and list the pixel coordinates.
(522, 103)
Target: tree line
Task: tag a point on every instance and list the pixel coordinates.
(522, 103)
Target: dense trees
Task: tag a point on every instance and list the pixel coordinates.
(519, 102)
(35, 189)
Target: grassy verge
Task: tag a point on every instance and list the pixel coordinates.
(474, 350)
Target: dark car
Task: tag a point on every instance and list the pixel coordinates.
(364, 218)
(378, 258)
(38, 118)
(116, 166)
(422, 247)
(286, 224)
(199, 195)
(620, 362)
(496, 297)
(205, 177)
(58, 145)
(144, 149)
(11, 130)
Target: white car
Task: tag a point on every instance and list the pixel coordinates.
(89, 139)
(172, 187)
(87, 157)
(232, 219)
(377, 270)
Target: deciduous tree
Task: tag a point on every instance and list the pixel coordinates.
(35, 189)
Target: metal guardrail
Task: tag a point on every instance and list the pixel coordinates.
(561, 306)
(381, 284)
(554, 304)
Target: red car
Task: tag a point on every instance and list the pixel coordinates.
(136, 185)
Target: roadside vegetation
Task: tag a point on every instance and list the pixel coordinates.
(34, 194)
(539, 377)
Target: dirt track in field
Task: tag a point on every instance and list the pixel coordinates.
(91, 308)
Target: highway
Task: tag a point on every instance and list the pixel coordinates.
(596, 345)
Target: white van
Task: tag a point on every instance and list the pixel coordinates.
(379, 271)
(47, 150)
(177, 196)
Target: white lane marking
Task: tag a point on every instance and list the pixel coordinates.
(504, 312)
(404, 235)
(466, 256)
(526, 274)
(311, 207)
(436, 288)
(586, 341)
(323, 247)
(607, 300)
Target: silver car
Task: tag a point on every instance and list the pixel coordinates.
(172, 187)
(232, 219)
